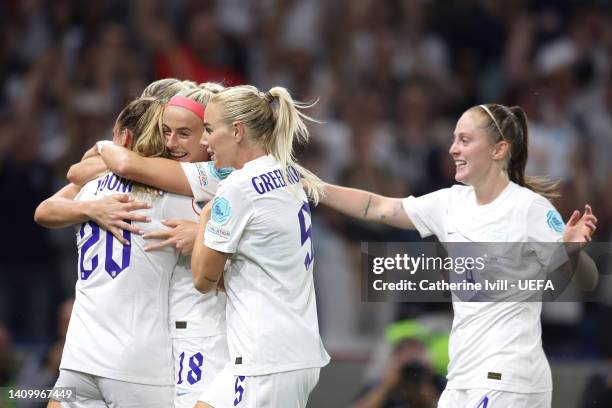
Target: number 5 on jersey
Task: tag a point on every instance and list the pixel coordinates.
(306, 232)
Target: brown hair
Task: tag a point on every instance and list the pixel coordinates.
(510, 124)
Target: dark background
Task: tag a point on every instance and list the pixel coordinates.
(392, 77)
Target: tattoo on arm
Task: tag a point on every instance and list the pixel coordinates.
(210, 279)
(367, 208)
(395, 212)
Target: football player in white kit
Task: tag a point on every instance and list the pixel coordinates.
(118, 350)
(260, 225)
(496, 355)
(197, 322)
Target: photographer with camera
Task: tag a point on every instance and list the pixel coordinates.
(408, 381)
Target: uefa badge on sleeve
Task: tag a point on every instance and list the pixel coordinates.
(554, 221)
(220, 173)
(221, 210)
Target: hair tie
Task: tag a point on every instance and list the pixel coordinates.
(269, 97)
(189, 104)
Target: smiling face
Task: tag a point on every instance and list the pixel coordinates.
(473, 151)
(217, 139)
(182, 131)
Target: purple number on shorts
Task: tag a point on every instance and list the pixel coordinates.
(180, 373)
(112, 268)
(238, 389)
(306, 234)
(195, 363)
(484, 403)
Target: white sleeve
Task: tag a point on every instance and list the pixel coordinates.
(545, 233)
(204, 179)
(180, 207)
(428, 212)
(231, 212)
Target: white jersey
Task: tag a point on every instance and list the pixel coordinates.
(271, 308)
(193, 314)
(119, 324)
(495, 345)
(204, 179)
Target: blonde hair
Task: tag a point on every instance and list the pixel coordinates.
(273, 120)
(164, 89)
(189, 84)
(203, 93)
(213, 87)
(510, 125)
(143, 117)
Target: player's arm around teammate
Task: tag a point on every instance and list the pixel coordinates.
(206, 264)
(186, 171)
(113, 213)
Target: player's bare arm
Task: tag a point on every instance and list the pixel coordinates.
(86, 170)
(206, 264)
(113, 213)
(366, 206)
(158, 172)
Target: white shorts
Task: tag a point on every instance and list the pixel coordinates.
(197, 361)
(482, 398)
(287, 389)
(99, 392)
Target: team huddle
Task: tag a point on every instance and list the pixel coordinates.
(195, 254)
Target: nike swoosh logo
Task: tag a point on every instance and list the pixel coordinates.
(180, 394)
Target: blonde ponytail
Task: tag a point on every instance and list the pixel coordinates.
(289, 125)
(143, 118)
(148, 140)
(273, 121)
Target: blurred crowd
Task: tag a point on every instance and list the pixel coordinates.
(391, 78)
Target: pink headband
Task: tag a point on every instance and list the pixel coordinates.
(188, 104)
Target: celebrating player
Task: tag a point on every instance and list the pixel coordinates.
(197, 322)
(496, 356)
(259, 221)
(118, 351)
